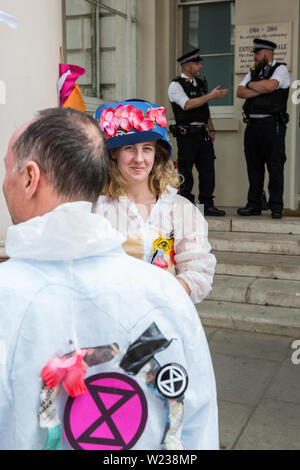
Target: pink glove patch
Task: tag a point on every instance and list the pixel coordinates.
(68, 370)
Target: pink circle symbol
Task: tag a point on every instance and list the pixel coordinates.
(112, 415)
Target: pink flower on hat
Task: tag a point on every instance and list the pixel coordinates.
(128, 117)
(123, 114)
(158, 115)
(139, 121)
(109, 122)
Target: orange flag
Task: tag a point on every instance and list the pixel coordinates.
(75, 100)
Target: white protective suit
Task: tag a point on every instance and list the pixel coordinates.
(70, 286)
(174, 222)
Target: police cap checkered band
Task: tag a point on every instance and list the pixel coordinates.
(263, 44)
(192, 56)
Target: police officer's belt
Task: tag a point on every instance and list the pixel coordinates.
(263, 119)
(283, 118)
(185, 129)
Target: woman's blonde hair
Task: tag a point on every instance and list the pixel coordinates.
(162, 174)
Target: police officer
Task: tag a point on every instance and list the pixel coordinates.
(266, 89)
(194, 130)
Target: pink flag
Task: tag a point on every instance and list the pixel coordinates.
(68, 74)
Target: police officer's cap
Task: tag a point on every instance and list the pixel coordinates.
(263, 44)
(192, 56)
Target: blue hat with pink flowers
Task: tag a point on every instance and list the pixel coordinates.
(131, 122)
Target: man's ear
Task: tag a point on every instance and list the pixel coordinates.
(31, 178)
(187, 67)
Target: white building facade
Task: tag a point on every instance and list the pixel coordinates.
(129, 49)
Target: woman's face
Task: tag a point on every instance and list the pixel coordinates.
(135, 161)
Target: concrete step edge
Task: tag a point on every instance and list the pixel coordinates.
(238, 225)
(261, 265)
(251, 236)
(236, 256)
(255, 243)
(252, 279)
(259, 319)
(259, 272)
(256, 291)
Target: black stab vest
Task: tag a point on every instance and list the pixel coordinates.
(200, 114)
(268, 103)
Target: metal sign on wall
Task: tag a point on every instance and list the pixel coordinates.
(280, 33)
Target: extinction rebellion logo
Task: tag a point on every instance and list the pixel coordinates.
(112, 415)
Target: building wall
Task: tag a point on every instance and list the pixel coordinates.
(259, 11)
(156, 52)
(29, 69)
(231, 174)
(156, 49)
(146, 50)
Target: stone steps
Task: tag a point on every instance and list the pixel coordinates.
(275, 292)
(281, 244)
(260, 224)
(289, 225)
(257, 281)
(281, 321)
(258, 265)
(230, 288)
(250, 290)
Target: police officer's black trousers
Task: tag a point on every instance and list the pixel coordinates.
(197, 149)
(265, 144)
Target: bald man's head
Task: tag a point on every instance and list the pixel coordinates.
(60, 156)
(69, 148)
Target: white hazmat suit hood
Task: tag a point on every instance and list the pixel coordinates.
(69, 232)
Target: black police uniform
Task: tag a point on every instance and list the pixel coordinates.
(194, 144)
(264, 142)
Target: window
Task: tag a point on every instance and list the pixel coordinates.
(101, 38)
(209, 25)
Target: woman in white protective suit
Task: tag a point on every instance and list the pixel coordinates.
(140, 196)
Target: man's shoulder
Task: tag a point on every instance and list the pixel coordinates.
(178, 78)
(18, 277)
(280, 72)
(10, 268)
(19, 285)
(282, 67)
(175, 82)
(279, 66)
